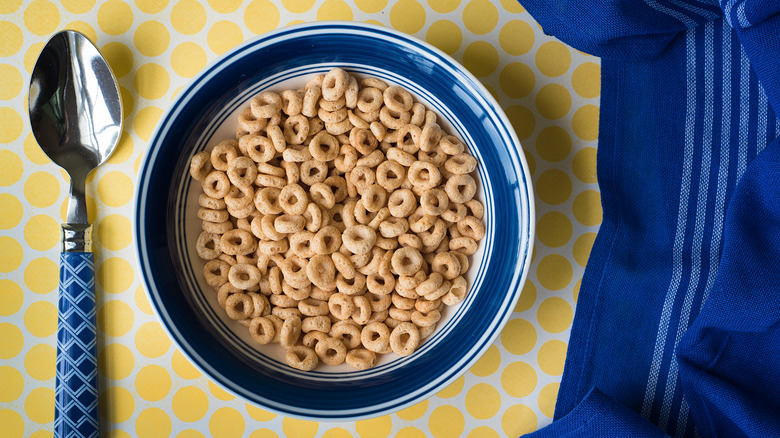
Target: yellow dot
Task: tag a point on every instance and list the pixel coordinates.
(552, 356)
(10, 82)
(553, 144)
(39, 362)
(152, 81)
(188, 17)
(257, 413)
(11, 168)
(142, 302)
(183, 367)
(227, 423)
(518, 420)
(223, 36)
(153, 382)
(40, 319)
(41, 232)
(78, 6)
(151, 340)
(11, 299)
(480, 58)
(408, 16)
(189, 433)
(83, 27)
(41, 189)
(584, 165)
(39, 405)
(11, 254)
(123, 150)
(553, 101)
(261, 16)
(7, 7)
(554, 229)
(410, 432)
(553, 186)
(518, 379)
(151, 6)
(443, 6)
(585, 122)
(264, 433)
(219, 393)
(553, 59)
(512, 6)
(483, 401)
(516, 37)
(49, 434)
(337, 432)
(187, 59)
(371, 6)
(117, 404)
(587, 208)
(116, 361)
(153, 423)
(446, 421)
(41, 17)
(10, 125)
(11, 340)
(375, 427)
(445, 35)
(13, 424)
(115, 189)
(115, 17)
(13, 384)
(32, 151)
(522, 119)
(555, 315)
(145, 121)
(127, 106)
(518, 337)
(374, 22)
(225, 6)
(115, 318)
(334, 10)
(576, 291)
(582, 247)
(547, 397)
(488, 363)
(12, 211)
(12, 38)
(151, 38)
(299, 428)
(30, 55)
(298, 6)
(480, 16)
(452, 389)
(413, 412)
(527, 297)
(190, 404)
(517, 80)
(114, 232)
(554, 272)
(586, 80)
(482, 432)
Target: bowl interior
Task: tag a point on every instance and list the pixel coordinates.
(204, 114)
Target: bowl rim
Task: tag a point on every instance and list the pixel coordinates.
(191, 87)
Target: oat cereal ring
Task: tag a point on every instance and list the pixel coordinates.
(312, 338)
(375, 262)
(378, 303)
(217, 227)
(406, 261)
(341, 306)
(267, 228)
(404, 339)
(294, 271)
(378, 130)
(380, 284)
(400, 314)
(343, 264)
(423, 305)
(475, 208)
(296, 154)
(322, 195)
(216, 272)
(244, 276)
(434, 235)
(239, 197)
(434, 202)
(356, 121)
(301, 357)
(225, 291)
(334, 116)
(283, 301)
(301, 243)
(408, 138)
(327, 240)
(446, 264)
(451, 145)
(460, 164)
(261, 306)
(362, 177)
(466, 245)
(239, 306)
(334, 105)
(418, 114)
(293, 199)
(393, 119)
(315, 125)
(402, 203)
(339, 128)
(362, 313)
(361, 359)
(440, 291)
(471, 227)
(425, 320)
(200, 165)
(335, 84)
(310, 99)
(266, 104)
(386, 244)
(285, 313)
(322, 272)
(313, 171)
(296, 129)
(374, 198)
(457, 292)
(347, 159)
(206, 201)
(241, 212)
(276, 135)
(288, 223)
(425, 175)
(291, 331)
(393, 227)
(369, 99)
(390, 175)
(375, 336)
(455, 212)
(291, 102)
(410, 240)
(347, 333)
(419, 221)
(238, 241)
(397, 99)
(338, 185)
(359, 239)
(251, 258)
(316, 323)
(262, 330)
(230, 260)
(216, 184)
(437, 157)
(292, 172)
(402, 157)
(430, 285)
(313, 307)
(259, 148)
(372, 160)
(208, 246)
(351, 286)
(249, 124)
(331, 351)
(401, 302)
(223, 153)
(430, 136)
(296, 294)
(312, 218)
(273, 247)
(267, 200)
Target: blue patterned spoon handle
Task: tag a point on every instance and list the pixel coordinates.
(76, 406)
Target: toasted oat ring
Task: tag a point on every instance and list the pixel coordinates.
(294, 271)
(457, 292)
(261, 306)
(321, 271)
(293, 199)
(291, 331)
(434, 202)
(475, 208)
(267, 200)
(466, 245)
(393, 227)
(378, 129)
(324, 147)
(239, 197)
(394, 119)
(446, 264)
(424, 175)
(241, 212)
(378, 303)
(347, 160)
(439, 292)
(338, 185)
(330, 106)
(312, 338)
(397, 99)
(313, 307)
(451, 145)
(288, 223)
(320, 323)
(296, 294)
(313, 171)
(225, 291)
(380, 283)
(244, 276)
(362, 177)
(435, 156)
(343, 265)
(471, 227)
(312, 217)
(363, 140)
(361, 358)
(402, 302)
(390, 175)
(375, 336)
(455, 212)
(359, 239)
(400, 315)
(276, 135)
(301, 243)
(334, 116)
(216, 272)
(238, 241)
(362, 313)
(208, 246)
(419, 221)
(327, 240)
(239, 306)
(372, 160)
(430, 136)
(259, 148)
(356, 121)
(341, 306)
(301, 357)
(424, 305)
(267, 229)
(315, 125)
(292, 102)
(374, 197)
(262, 330)
(335, 84)
(200, 165)
(249, 124)
(401, 156)
(402, 203)
(273, 247)
(410, 240)
(285, 313)
(369, 99)
(347, 333)
(222, 154)
(331, 351)
(425, 320)
(434, 235)
(433, 282)
(461, 164)
(310, 99)
(408, 138)
(206, 201)
(296, 129)
(404, 339)
(418, 114)
(216, 184)
(266, 104)
(322, 195)
(339, 128)
(407, 261)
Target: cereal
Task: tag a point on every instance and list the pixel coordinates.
(339, 222)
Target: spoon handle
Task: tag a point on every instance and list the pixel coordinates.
(76, 406)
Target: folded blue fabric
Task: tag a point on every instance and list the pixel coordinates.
(678, 318)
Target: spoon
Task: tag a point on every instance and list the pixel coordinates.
(76, 117)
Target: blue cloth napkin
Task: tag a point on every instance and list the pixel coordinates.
(677, 327)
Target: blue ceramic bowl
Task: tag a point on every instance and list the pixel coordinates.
(166, 225)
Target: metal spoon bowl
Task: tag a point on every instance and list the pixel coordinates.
(76, 117)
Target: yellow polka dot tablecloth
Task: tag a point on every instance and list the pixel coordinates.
(147, 387)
